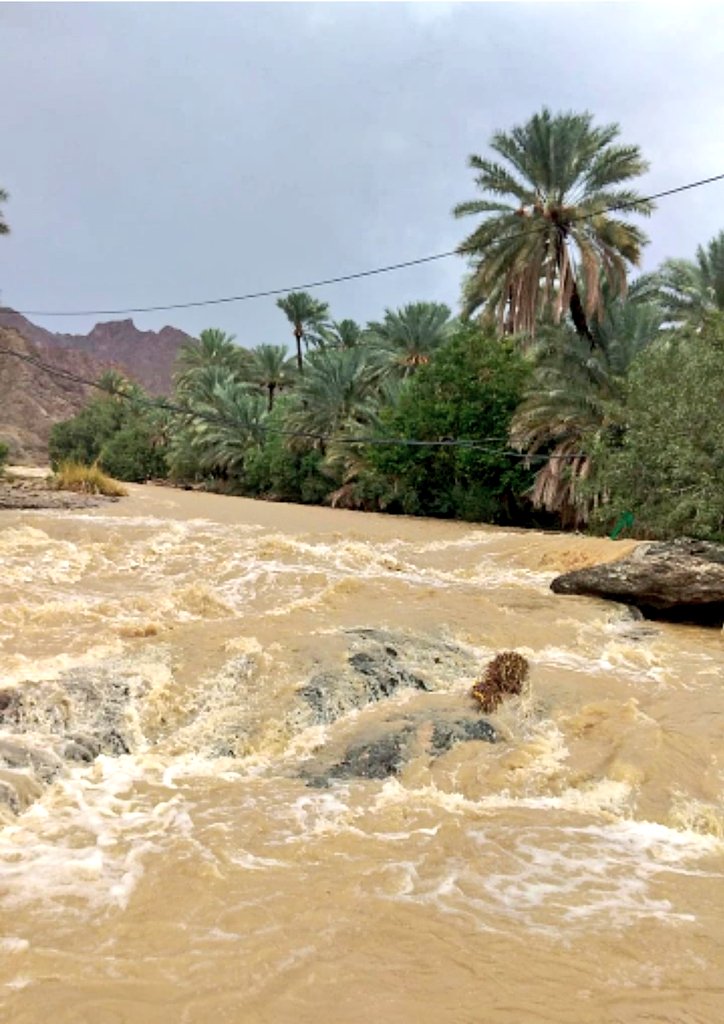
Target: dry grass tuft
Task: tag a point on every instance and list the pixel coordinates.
(504, 676)
(74, 476)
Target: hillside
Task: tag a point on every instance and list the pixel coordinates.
(147, 357)
(32, 400)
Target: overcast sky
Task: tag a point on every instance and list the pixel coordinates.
(172, 152)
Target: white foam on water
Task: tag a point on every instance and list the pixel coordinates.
(252, 862)
(19, 668)
(554, 877)
(12, 944)
(316, 814)
(21, 982)
(88, 838)
(635, 662)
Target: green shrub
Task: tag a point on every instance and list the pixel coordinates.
(667, 465)
(117, 433)
(130, 454)
(81, 438)
(469, 390)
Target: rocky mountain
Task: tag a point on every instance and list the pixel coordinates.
(147, 357)
(33, 399)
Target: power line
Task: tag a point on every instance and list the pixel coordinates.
(269, 292)
(476, 444)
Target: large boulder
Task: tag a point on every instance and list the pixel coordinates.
(378, 667)
(680, 580)
(380, 663)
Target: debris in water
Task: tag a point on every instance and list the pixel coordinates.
(504, 676)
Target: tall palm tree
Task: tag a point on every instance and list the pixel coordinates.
(4, 226)
(307, 316)
(550, 233)
(213, 347)
(407, 337)
(689, 289)
(342, 334)
(575, 395)
(271, 369)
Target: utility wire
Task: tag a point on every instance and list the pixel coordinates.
(476, 444)
(266, 293)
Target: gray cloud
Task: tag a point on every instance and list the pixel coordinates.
(169, 152)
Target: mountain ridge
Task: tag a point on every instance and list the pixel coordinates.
(32, 399)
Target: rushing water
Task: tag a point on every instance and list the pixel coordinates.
(571, 872)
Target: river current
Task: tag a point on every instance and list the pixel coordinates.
(571, 872)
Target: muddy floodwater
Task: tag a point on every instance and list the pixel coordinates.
(189, 685)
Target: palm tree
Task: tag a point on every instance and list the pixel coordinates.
(4, 227)
(575, 396)
(223, 422)
(552, 235)
(307, 316)
(407, 337)
(342, 334)
(336, 392)
(689, 289)
(271, 369)
(118, 385)
(212, 348)
(234, 423)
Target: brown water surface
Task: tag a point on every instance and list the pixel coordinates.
(570, 873)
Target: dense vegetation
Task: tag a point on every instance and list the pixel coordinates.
(119, 431)
(565, 394)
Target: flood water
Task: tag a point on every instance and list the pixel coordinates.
(570, 873)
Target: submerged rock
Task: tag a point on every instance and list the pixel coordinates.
(385, 751)
(372, 672)
(680, 580)
(46, 726)
(377, 759)
(378, 666)
(446, 735)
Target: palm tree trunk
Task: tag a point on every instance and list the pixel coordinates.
(270, 404)
(575, 306)
(298, 334)
(578, 315)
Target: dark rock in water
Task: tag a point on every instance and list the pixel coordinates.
(376, 760)
(379, 665)
(82, 748)
(385, 753)
(15, 753)
(446, 735)
(9, 706)
(376, 674)
(383, 674)
(680, 581)
(112, 742)
(46, 725)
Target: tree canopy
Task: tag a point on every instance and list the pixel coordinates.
(549, 226)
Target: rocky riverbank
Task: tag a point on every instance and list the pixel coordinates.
(37, 493)
(680, 580)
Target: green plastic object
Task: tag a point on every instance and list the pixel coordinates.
(624, 521)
